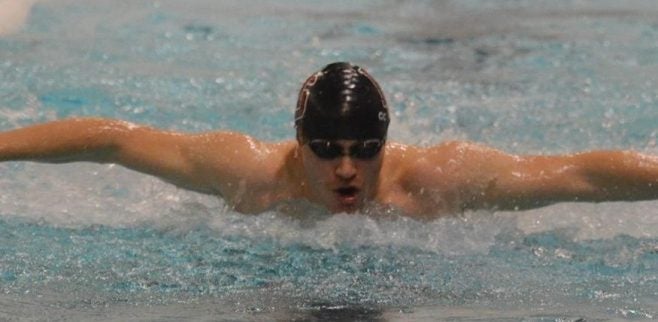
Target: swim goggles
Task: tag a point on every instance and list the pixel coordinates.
(364, 150)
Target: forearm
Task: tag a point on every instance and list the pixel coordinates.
(619, 175)
(85, 139)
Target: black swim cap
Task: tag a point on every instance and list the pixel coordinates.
(341, 102)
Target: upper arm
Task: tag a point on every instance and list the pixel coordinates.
(215, 162)
(504, 181)
(472, 176)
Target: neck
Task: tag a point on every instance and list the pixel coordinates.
(295, 171)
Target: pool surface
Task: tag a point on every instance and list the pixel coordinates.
(99, 242)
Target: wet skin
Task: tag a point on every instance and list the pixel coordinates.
(343, 183)
(423, 182)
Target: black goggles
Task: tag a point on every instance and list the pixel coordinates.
(326, 149)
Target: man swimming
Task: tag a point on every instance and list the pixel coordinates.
(341, 160)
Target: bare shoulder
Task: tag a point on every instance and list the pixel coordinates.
(414, 159)
(460, 150)
(415, 168)
(236, 154)
(250, 174)
(439, 177)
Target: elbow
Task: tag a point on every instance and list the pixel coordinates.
(106, 141)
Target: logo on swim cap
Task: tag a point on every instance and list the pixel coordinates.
(341, 102)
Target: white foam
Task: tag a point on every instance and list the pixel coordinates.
(593, 221)
(83, 194)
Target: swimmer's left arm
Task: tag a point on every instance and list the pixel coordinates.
(596, 176)
(493, 179)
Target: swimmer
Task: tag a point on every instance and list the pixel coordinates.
(341, 160)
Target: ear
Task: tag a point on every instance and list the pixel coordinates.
(299, 135)
(296, 153)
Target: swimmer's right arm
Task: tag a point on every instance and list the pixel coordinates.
(200, 162)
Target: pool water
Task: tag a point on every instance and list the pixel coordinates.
(99, 242)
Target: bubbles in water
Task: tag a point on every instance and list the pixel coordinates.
(520, 80)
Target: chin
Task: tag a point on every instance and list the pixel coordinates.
(349, 209)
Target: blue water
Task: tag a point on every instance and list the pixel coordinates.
(99, 242)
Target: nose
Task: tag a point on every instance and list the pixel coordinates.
(346, 170)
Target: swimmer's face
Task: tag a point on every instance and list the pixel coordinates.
(342, 174)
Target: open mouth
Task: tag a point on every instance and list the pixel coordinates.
(347, 195)
(347, 191)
